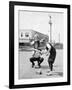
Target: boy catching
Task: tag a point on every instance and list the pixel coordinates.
(36, 57)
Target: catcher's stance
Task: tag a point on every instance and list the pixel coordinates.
(36, 57)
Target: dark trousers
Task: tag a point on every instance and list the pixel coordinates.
(39, 60)
(51, 60)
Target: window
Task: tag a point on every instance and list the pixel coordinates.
(26, 34)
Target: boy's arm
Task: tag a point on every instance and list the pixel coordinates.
(47, 54)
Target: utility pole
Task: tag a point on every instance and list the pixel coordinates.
(50, 22)
(59, 37)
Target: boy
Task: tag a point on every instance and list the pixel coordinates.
(36, 57)
(52, 51)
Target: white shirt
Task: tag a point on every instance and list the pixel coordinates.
(48, 45)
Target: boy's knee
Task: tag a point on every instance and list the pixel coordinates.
(42, 59)
(50, 61)
(31, 59)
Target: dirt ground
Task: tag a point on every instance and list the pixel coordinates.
(27, 72)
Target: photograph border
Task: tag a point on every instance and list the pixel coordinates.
(11, 43)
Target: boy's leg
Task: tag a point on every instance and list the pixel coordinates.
(51, 66)
(40, 61)
(50, 61)
(32, 61)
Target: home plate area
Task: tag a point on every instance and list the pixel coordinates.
(45, 71)
(27, 72)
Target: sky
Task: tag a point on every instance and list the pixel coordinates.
(39, 21)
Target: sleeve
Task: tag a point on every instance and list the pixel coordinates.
(49, 47)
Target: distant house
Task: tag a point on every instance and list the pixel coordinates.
(24, 36)
(58, 45)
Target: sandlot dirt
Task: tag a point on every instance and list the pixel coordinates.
(27, 72)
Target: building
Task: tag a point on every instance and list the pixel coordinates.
(27, 35)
